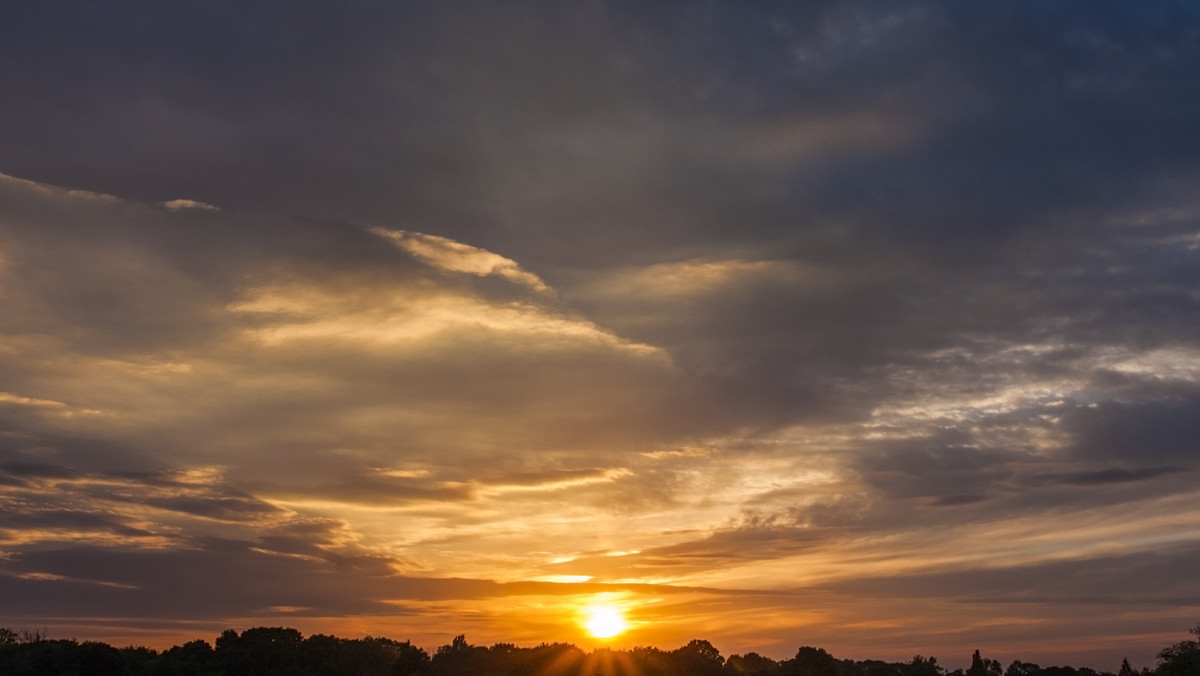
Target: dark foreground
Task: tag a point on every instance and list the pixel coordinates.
(276, 651)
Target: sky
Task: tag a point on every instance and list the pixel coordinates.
(872, 326)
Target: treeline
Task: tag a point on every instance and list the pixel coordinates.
(278, 651)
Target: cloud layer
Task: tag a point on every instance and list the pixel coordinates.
(856, 324)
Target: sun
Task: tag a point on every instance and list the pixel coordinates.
(602, 621)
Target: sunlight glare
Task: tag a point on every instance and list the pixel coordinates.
(604, 621)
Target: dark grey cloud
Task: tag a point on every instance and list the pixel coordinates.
(1027, 108)
(1100, 477)
(376, 490)
(20, 518)
(40, 470)
(203, 583)
(1149, 577)
(946, 467)
(63, 505)
(1146, 431)
(646, 108)
(956, 500)
(219, 579)
(230, 508)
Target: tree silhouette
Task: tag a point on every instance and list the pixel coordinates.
(698, 658)
(264, 651)
(810, 661)
(261, 651)
(459, 657)
(923, 666)
(194, 658)
(1181, 659)
(750, 663)
(981, 666)
(1019, 668)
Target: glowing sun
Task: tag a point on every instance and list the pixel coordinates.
(604, 621)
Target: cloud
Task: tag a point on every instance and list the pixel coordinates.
(1153, 430)
(1113, 475)
(813, 294)
(956, 500)
(372, 333)
(458, 257)
(320, 375)
(182, 204)
(37, 470)
(1094, 579)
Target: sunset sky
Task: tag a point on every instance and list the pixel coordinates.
(872, 326)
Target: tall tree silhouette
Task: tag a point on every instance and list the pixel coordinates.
(1181, 659)
(981, 666)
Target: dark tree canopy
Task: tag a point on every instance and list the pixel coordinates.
(281, 651)
(1181, 659)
